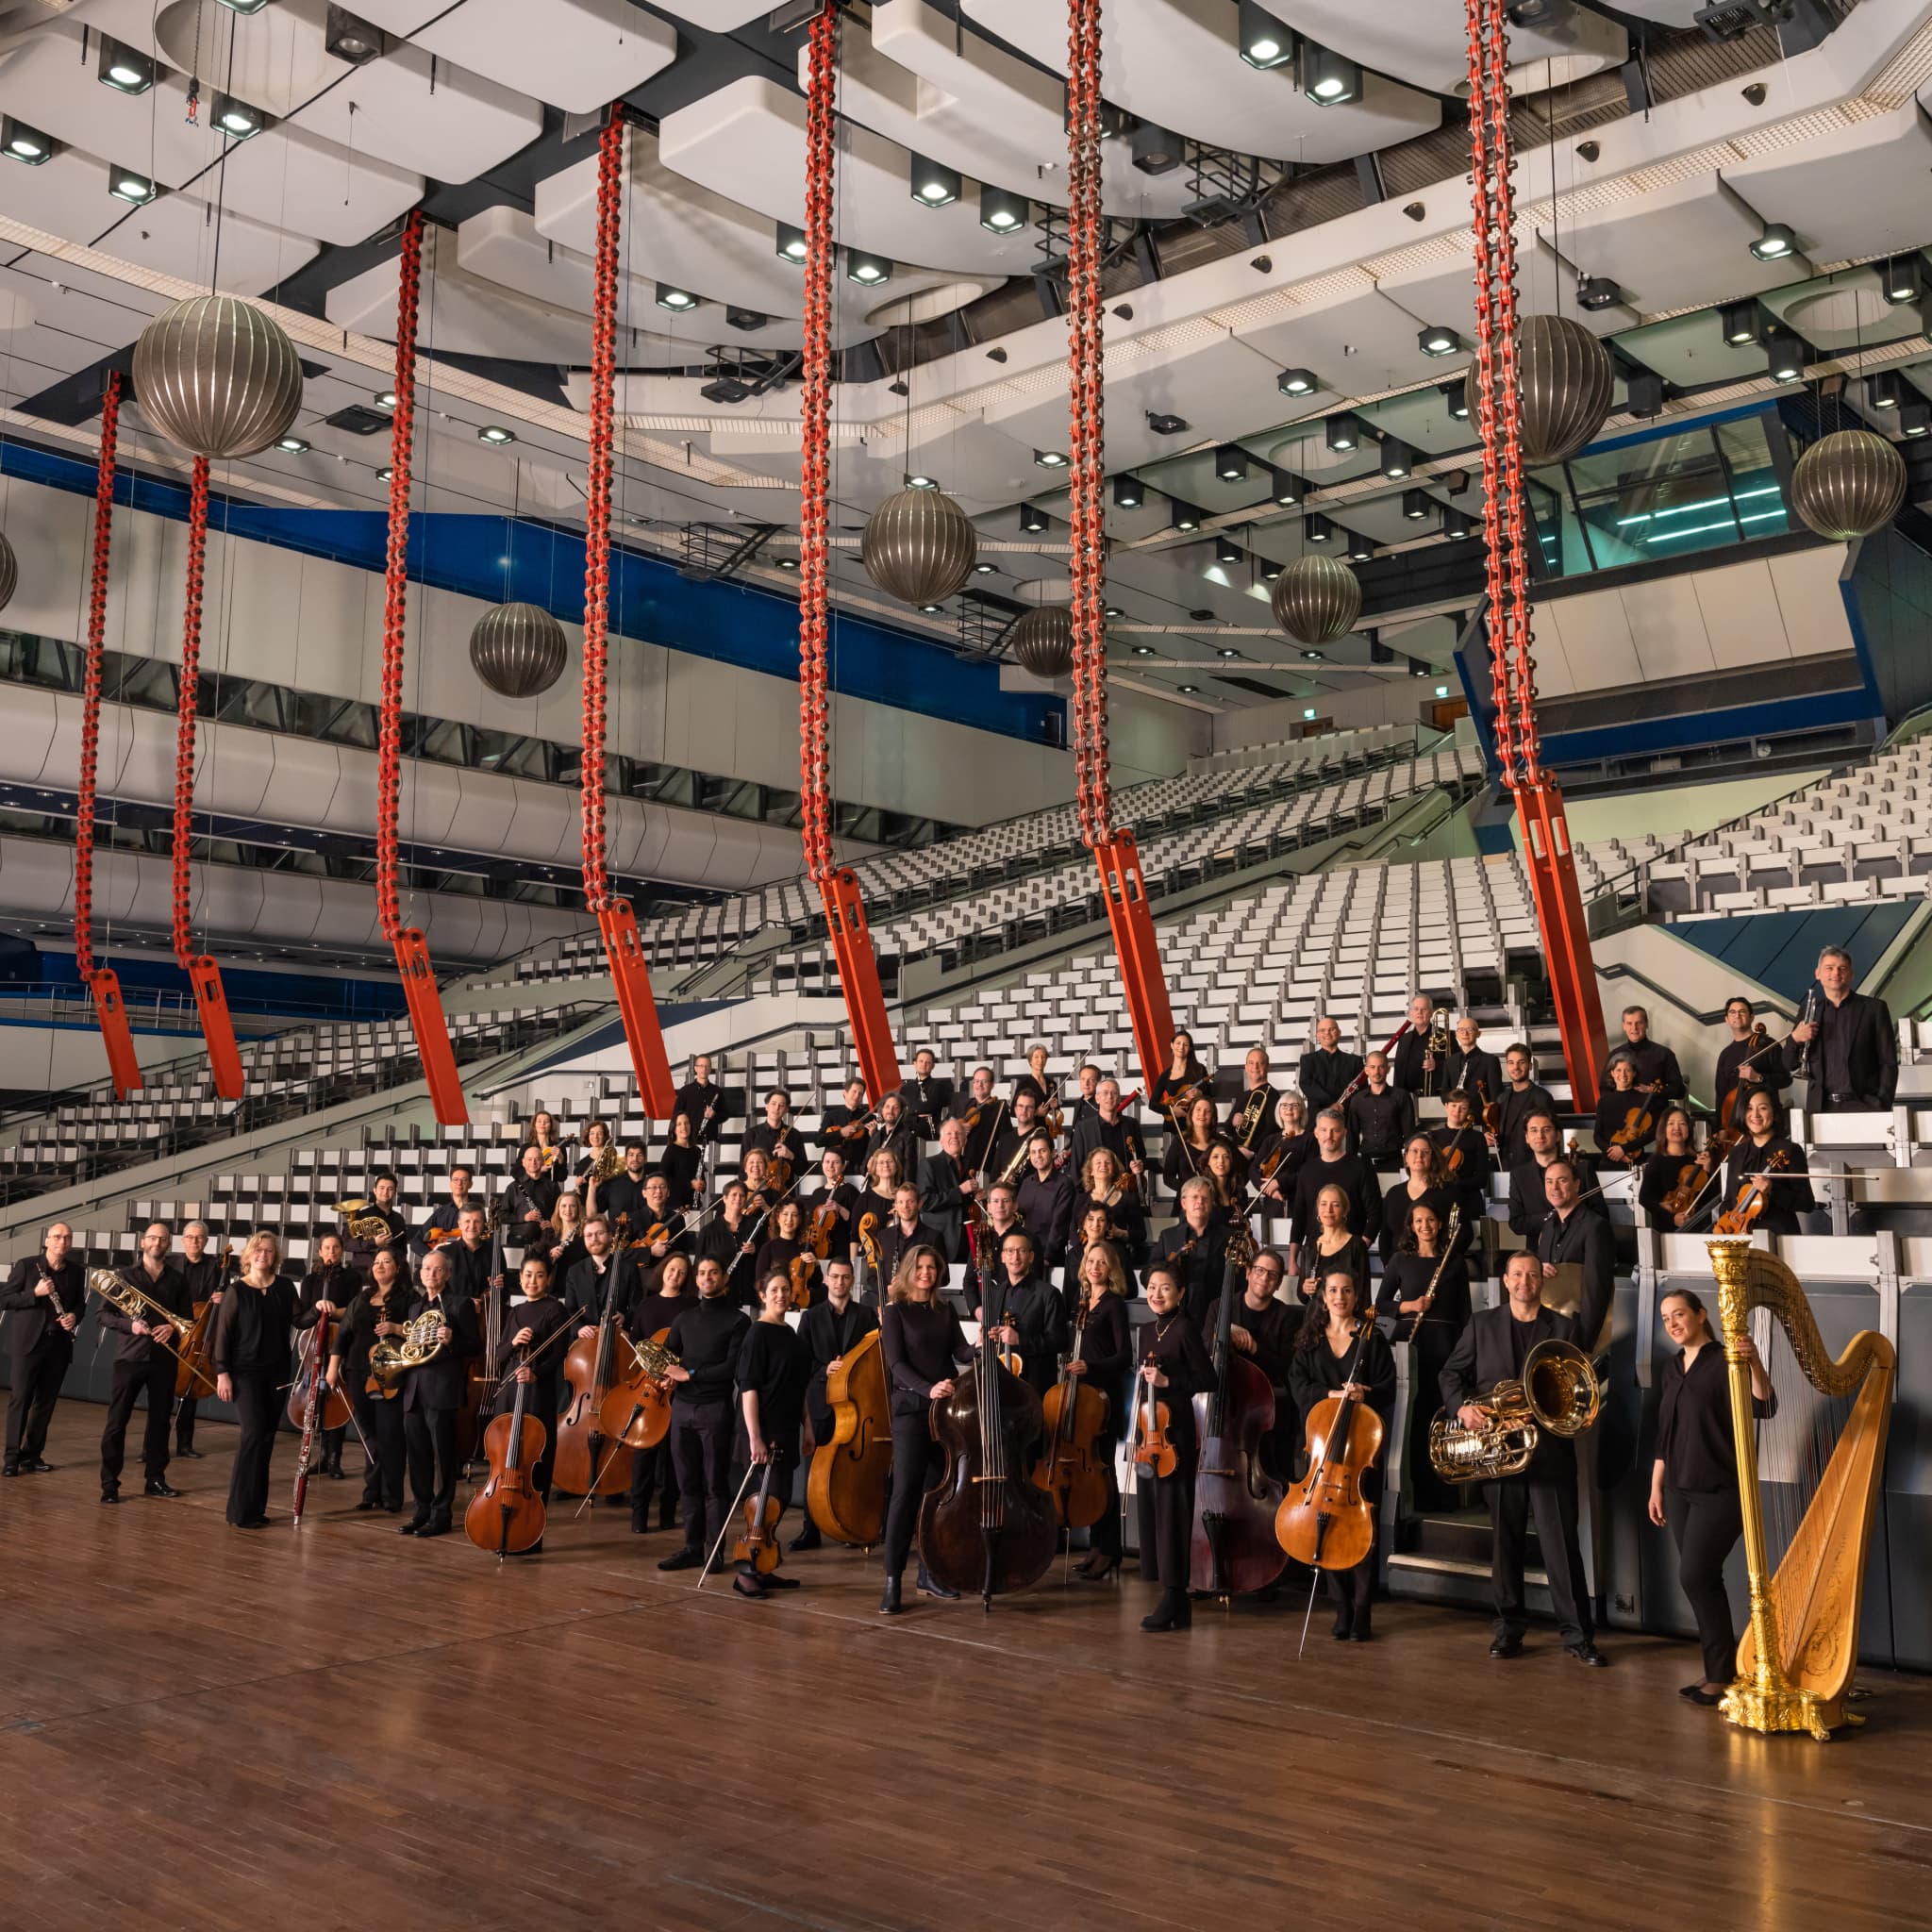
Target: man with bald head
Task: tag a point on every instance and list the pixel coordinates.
(42, 1297)
(1326, 1073)
(145, 1361)
(433, 1393)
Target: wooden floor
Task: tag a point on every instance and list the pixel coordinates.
(338, 1727)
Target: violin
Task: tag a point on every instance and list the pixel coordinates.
(1753, 1193)
(845, 1488)
(507, 1514)
(757, 1544)
(195, 1364)
(1683, 1197)
(1154, 1449)
(1072, 1471)
(1232, 1548)
(1638, 1122)
(1452, 1155)
(1324, 1521)
(819, 1237)
(852, 1129)
(587, 1463)
(805, 1266)
(658, 1231)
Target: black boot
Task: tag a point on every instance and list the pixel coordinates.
(1363, 1632)
(1344, 1624)
(929, 1585)
(807, 1537)
(889, 1604)
(1173, 1612)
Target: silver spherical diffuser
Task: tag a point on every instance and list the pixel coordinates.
(1848, 484)
(9, 571)
(518, 650)
(218, 376)
(1043, 641)
(918, 546)
(1567, 382)
(1317, 599)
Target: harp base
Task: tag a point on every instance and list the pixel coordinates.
(1769, 1709)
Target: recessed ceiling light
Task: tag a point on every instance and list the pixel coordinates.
(932, 609)
(1187, 689)
(1438, 340)
(386, 399)
(1227, 651)
(869, 270)
(1314, 657)
(350, 39)
(788, 563)
(922, 483)
(934, 185)
(293, 445)
(1776, 243)
(125, 185)
(495, 432)
(1002, 211)
(983, 569)
(1297, 382)
(791, 243)
(1598, 291)
(1050, 458)
(1144, 650)
(676, 299)
(236, 119)
(25, 144)
(1328, 79)
(122, 69)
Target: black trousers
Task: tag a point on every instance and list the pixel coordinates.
(701, 1437)
(1434, 1343)
(155, 1377)
(385, 1455)
(654, 1472)
(1705, 1525)
(1352, 1589)
(259, 1409)
(1166, 1506)
(1105, 1535)
(36, 1380)
(918, 1462)
(1553, 1500)
(185, 1411)
(429, 1436)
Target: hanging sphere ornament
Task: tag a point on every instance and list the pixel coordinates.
(1567, 381)
(518, 650)
(1043, 641)
(919, 547)
(9, 571)
(1317, 599)
(1848, 484)
(218, 376)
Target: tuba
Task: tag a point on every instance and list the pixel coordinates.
(1559, 1392)
(389, 1359)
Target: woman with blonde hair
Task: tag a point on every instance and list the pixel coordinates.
(251, 1359)
(1103, 1355)
(1105, 1183)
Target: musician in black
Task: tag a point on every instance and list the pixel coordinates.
(1183, 1077)
(1252, 1116)
(1572, 1234)
(1035, 1082)
(829, 1330)
(1654, 1065)
(1102, 1352)
(1332, 1165)
(907, 1230)
(1492, 1349)
(926, 1098)
(1044, 1200)
(607, 1278)
(1529, 1200)
(381, 1206)
(1027, 1308)
(682, 1164)
(1286, 1146)
(769, 1382)
(433, 1393)
(1196, 1248)
(774, 1137)
(1522, 1097)
(1326, 1070)
(706, 1339)
(1103, 1185)
(1418, 1068)
(621, 1197)
(1174, 1367)
(1744, 1063)
(1472, 1069)
(1764, 1150)
(1665, 1171)
(44, 1294)
(1848, 1050)
(893, 1133)
(1009, 1159)
(1693, 1481)
(704, 1103)
(446, 1217)
(946, 1183)
(1262, 1328)
(1463, 1157)
(144, 1363)
(924, 1346)
(472, 1260)
(202, 1275)
(1194, 1134)
(1086, 1094)
(730, 1237)
(326, 1294)
(983, 1115)
(531, 1194)
(1424, 1300)
(833, 1206)
(652, 1470)
(846, 1123)
(1421, 1182)
(1379, 1117)
(1625, 1117)
(374, 1315)
(1107, 1126)
(531, 1354)
(250, 1353)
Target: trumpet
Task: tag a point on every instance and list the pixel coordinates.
(389, 1359)
(361, 1226)
(1559, 1392)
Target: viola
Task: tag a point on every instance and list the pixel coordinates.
(758, 1544)
(1753, 1193)
(1324, 1521)
(1154, 1449)
(1072, 1471)
(803, 1267)
(637, 1407)
(823, 1224)
(1232, 1548)
(507, 1514)
(587, 1463)
(1682, 1197)
(845, 1488)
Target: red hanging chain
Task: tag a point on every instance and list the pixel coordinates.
(597, 507)
(91, 686)
(1086, 459)
(389, 767)
(814, 755)
(184, 716)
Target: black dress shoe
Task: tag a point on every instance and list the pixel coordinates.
(807, 1539)
(929, 1585)
(745, 1585)
(1506, 1646)
(1696, 1693)
(889, 1604)
(774, 1581)
(192, 1454)
(12, 1469)
(1173, 1612)
(254, 1523)
(158, 1486)
(1588, 1654)
(334, 1471)
(1344, 1625)
(1364, 1630)
(415, 1527)
(430, 1530)
(35, 1466)
(640, 1525)
(367, 1502)
(111, 1495)
(683, 1558)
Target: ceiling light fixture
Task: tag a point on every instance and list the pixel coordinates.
(1002, 210)
(1314, 657)
(1144, 650)
(237, 119)
(921, 482)
(294, 445)
(25, 144)
(1162, 424)
(791, 243)
(1269, 569)
(1594, 292)
(1316, 528)
(1032, 519)
(1263, 40)
(983, 569)
(1359, 549)
(1903, 278)
(1286, 488)
(1188, 691)
(386, 399)
(1154, 150)
(1784, 355)
(1882, 391)
(1329, 79)
(495, 433)
(1742, 322)
(1395, 458)
(1416, 505)
(678, 300)
(1416, 670)
(1457, 524)
(350, 39)
(932, 609)
(1915, 418)
(1775, 243)
(788, 563)
(1644, 393)
(934, 185)
(868, 271)
(122, 69)
(125, 185)
(1183, 516)
(1455, 394)
(1113, 610)
(1227, 651)
(1343, 432)
(1297, 382)
(245, 5)
(1230, 462)
(385, 473)
(1050, 458)
(1226, 550)
(1126, 492)
(1438, 340)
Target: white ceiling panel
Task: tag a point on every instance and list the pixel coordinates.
(1358, 342)
(718, 16)
(1426, 44)
(1444, 292)
(1175, 62)
(959, 100)
(746, 142)
(575, 53)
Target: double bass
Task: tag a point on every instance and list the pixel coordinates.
(1232, 1549)
(313, 1406)
(507, 1514)
(587, 1463)
(845, 1488)
(1075, 1413)
(195, 1364)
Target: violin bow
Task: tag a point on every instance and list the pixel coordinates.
(711, 1561)
(1361, 1336)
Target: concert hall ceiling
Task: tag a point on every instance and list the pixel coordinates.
(1289, 243)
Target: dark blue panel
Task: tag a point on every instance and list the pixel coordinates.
(1780, 949)
(1701, 727)
(316, 996)
(501, 559)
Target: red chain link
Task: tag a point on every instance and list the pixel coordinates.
(597, 507)
(814, 756)
(184, 722)
(388, 766)
(1087, 457)
(91, 686)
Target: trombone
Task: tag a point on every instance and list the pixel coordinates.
(118, 1291)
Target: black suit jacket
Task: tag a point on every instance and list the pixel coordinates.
(1324, 1076)
(36, 1329)
(926, 1102)
(1871, 1053)
(1585, 1237)
(441, 1381)
(942, 1204)
(1484, 1355)
(1472, 1070)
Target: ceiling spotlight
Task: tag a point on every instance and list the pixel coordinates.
(1784, 355)
(1227, 651)
(1003, 212)
(1285, 487)
(791, 243)
(932, 609)
(127, 185)
(1314, 657)
(1226, 550)
(1263, 40)
(1269, 569)
(1183, 516)
(1915, 418)
(1297, 382)
(932, 185)
(1438, 340)
(495, 433)
(237, 119)
(386, 400)
(1416, 670)
(1359, 549)
(1154, 150)
(1457, 395)
(1903, 278)
(788, 563)
(1328, 78)
(383, 474)
(1113, 610)
(1032, 519)
(1144, 650)
(294, 445)
(983, 569)
(1598, 291)
(1416, 505)
(25, 144)
(1741, 322)
(1187, 690)
(1316, 528)
(1395, 458)
(921, 482)
(1162, 424)
(1644, 393)
(351, 40)
(676, 299)
(123, 70)
(869, 270)
(1882, 392)
(1344, 432)
(1230, 462)
(1127, 494)
(1457, 524)
(1050, 458)
(1775, 243)
(745, 320)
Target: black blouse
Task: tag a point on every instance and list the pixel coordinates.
(680, 1167)
(1661, 1174)
(1107, 1346)
(1785, 1200)
(1398, 1204)
(1693, 1433)
(1315, 1374)
(923, 1344)
(1406, 1279)
(252, 1328)
(1352, 1254)
(1173, 1345)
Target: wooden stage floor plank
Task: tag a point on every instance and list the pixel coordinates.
(341, 1728)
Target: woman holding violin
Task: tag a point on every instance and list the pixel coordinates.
(772, 1373)
(924, 1346)
(1673, 1176)
(1625, 1119)
(666, 1296)
(1184, 1077)
(1332, 1246)
(378, 1311)
(1422, 1181)
(1284, 1150)
(1225, 1179)
(1339, 1354)
(1104, 1359)
(784, 1252)
(1107, 1185)
(1199, 1133)
(1773, 1204)
(1174, 1367)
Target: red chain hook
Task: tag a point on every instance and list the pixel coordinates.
(91, 686)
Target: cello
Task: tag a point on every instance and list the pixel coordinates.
(845, 1488)
(1232, 1548)
(1073, 1414)
(586, 1463)
(507, 1514)
(636, 1407)
(983, 1527)
(313, 1406)
(1324, 1521)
